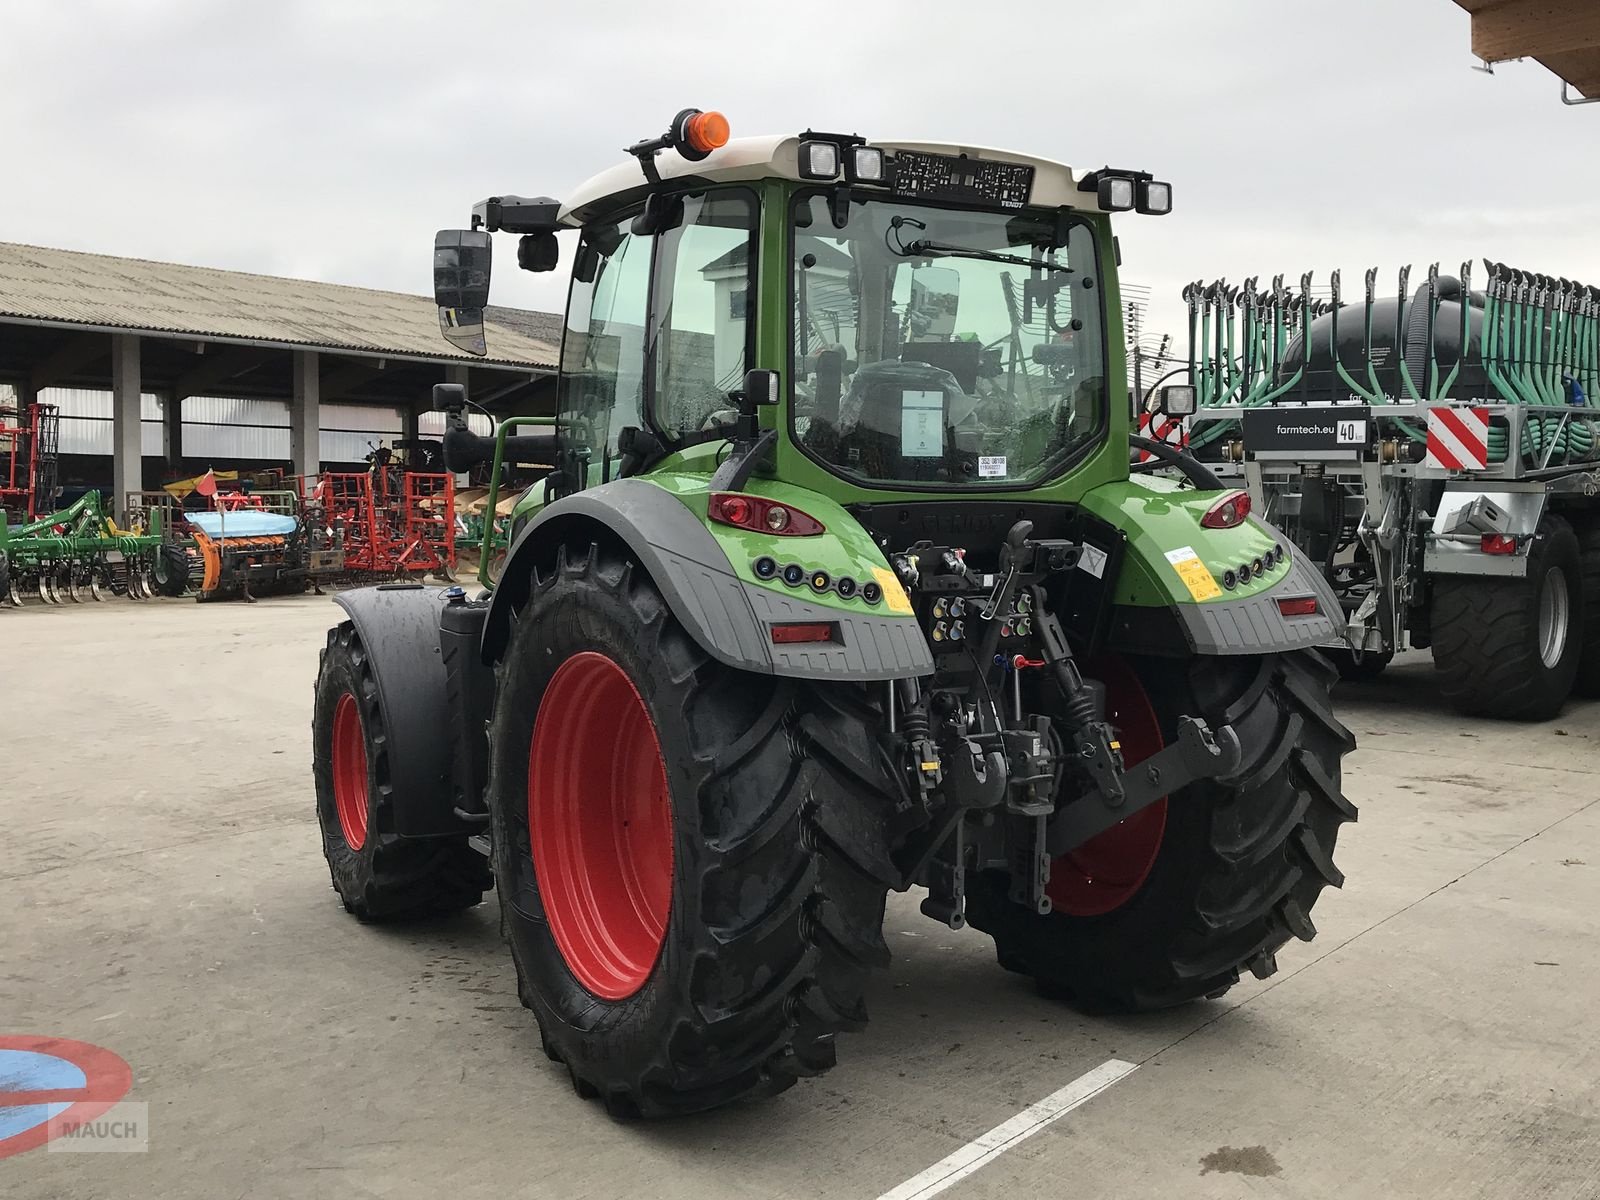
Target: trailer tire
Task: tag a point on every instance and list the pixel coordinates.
(379, 875)
(1587, 683)
(756, 868)
(1511, 648)
(170, 570)
(1240, 862)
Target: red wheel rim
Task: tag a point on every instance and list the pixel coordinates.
(350, 771)
(1108, 870)
(600, 822)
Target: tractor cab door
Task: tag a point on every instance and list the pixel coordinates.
(659, 330)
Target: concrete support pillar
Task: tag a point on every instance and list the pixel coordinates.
(127, 455)
(172, 430)
(305, 416)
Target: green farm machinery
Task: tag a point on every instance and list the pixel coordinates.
(840, 584)
(1436, 455)
(78, 554)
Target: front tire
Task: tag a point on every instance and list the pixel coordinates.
(1171, 904)
(1510, 648)
(379, 876)
(691, 859)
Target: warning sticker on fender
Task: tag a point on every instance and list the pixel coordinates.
(893, 594)
(1196, 577)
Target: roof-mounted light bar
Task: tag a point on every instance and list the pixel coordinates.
(1124, 191)
(825, 156)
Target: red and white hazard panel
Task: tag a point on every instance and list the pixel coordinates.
(1173, 431)
(1458, 438)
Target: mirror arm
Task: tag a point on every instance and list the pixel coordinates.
(747, 453)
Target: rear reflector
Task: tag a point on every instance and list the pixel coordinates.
(789, 633)
(1497, 543)
(1298, 606)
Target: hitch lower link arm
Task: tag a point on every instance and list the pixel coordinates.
(1199, 753)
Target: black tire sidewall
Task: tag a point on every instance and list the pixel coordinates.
(570, 615)
(1558, 547)
(352, 869)
(1125, 959)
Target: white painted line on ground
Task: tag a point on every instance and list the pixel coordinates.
(1012, 1133)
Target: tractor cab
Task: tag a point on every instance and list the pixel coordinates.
(922, 318)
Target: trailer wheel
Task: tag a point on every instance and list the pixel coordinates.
(691, 860)
(1587, 683)
(378, 875)
(171, 570)
(1168, 906)
(1511, 648)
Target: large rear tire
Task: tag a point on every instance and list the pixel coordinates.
(1170, 905)
(1510, 648)
(1587, 682)
(379, 876)
(691, 860)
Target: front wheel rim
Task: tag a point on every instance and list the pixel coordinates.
(600, 825)
(350, 771)
(1554, 617)
(1108, 870)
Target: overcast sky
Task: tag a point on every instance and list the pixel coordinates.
(329, 139)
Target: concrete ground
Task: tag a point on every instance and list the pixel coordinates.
(162, 893)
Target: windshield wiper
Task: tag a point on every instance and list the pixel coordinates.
(923, 248)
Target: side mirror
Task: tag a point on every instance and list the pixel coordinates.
(1176, 400)
(449, 397)
(461, 261)
(761, 388)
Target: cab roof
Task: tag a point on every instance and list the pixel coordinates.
(778, 157)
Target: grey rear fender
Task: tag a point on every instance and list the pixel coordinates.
(727, 617)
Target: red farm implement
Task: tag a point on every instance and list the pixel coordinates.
(29, 436)
(394, 522)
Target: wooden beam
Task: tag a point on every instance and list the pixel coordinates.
(1533, 28)
(1580, 68)
(215, 369)
(79, 352)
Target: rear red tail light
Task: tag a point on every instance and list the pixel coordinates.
(1298, 606)
(789, 633)
(1227, 513)
(1497, 543)
(760, 515)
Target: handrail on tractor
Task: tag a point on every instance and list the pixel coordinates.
(506, 426)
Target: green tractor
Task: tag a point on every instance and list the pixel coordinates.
(839, 584)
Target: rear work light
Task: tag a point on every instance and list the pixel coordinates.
(1298, 606)
(1497, 543)
(1229, 512)
(799, 632)
(760, 515)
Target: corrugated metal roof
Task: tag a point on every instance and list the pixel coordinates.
(68, 286)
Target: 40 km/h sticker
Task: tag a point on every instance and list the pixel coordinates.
(50, 1086)
(1195, 574)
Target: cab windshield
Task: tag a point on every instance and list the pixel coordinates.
(941, 348)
